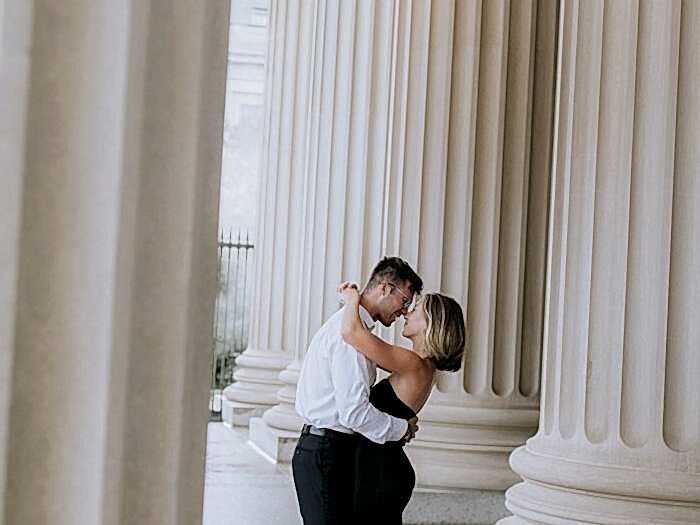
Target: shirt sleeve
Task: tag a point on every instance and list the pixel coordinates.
(351, 386)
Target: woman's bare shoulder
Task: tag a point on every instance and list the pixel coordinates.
(417, 383)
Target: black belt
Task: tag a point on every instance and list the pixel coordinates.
(326, 432)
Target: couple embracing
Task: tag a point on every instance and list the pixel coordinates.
(349, 465)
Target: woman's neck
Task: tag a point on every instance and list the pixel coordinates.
(418, 344)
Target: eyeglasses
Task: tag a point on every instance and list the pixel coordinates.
(407, 299)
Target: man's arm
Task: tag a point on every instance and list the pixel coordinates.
(351, 384)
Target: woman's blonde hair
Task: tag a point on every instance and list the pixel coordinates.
(445, 337)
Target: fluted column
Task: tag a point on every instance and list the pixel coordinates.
(279, 247)
(15, 36)
(111, 148)
(430, 133)
(349, 45)
(619, 438)
(467, 205)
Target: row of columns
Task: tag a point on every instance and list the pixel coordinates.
(112, 118)
(413, 135)
(492, 144)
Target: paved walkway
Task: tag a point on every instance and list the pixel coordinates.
(243, 488)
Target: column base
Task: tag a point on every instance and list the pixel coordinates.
(468, 447)
(277, 444)
(535, 504)
(428, 506)
(276, 433)
(235, 414)
(449, 507)
(255, 386)
(450, 466)
(559, 491)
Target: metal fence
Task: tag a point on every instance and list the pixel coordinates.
(230, 331)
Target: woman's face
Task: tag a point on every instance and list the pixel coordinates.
(416, 322)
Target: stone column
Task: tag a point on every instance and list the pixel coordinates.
(427, 141)
(279, 246)
(467, 205)
(349, 45)
(111, 143)
(15, 38)
(619, 438)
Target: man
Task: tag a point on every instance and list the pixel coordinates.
(333, 399)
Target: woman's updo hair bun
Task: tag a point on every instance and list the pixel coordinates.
(445, 337)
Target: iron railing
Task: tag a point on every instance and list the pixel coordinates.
(230, 330)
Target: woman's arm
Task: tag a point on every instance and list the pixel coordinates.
(387, 356)
(352, 323)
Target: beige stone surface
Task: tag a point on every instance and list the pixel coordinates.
(15, 34)
(112, 156)
(468, 188)
(279, 249)
(424, 138)
(347, 83)
(619, 438)
(424, 129)
(244, 487)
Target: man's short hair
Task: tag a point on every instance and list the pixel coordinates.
(395, 271)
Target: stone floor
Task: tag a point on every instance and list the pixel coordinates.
(244, 488)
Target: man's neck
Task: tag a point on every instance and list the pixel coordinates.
(367, 305)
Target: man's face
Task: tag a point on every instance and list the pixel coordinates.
(394, 301)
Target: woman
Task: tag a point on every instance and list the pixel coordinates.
(435, 326)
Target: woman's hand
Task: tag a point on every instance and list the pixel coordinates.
(348, 292)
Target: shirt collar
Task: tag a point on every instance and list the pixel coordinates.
(366, 318)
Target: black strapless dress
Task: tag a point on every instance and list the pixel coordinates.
(384, 477)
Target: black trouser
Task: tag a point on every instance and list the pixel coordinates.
(324, 476)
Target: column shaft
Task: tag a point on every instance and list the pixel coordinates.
(619, 439)
(116, 122)
(429, 137)
(279, 246)
(348, 86)
(470, 149)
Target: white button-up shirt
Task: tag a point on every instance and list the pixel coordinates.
(333, 388)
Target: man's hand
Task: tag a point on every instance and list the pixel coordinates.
(348, 292)
(411, 430)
